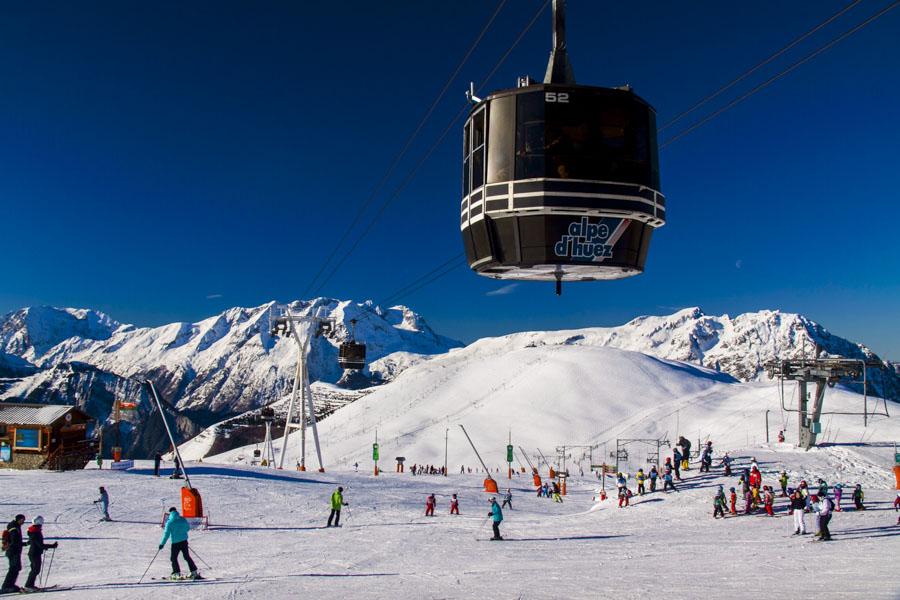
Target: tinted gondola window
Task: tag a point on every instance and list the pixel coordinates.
(478, 149)
(466, 152)
(501, 126)
(530, 135)
(598, 137)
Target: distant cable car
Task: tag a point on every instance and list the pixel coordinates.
(352, 354)
(560, 181)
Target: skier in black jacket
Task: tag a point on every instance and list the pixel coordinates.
(13, 534)
(36, 547)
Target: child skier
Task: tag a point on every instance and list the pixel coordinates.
(177, 529)
(654, 474)
(507, 499)
(668, 483)
(838, 492)
(454, 505)
(783, 480)
(823, 509)
(769, 501)
(556, 493)
(719, 504)
(896, 506)
(103, 501)
(748, 502)
(733, 500)
(858, 497)
(497, 517)
(429, 505)
(676, 458)
(36, 547)
(726, 462)
(640, 478)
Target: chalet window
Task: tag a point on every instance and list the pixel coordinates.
(28, 439)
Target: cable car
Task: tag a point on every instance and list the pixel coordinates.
(560, 181)
(352, 354)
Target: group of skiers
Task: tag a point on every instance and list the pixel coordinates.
(13, 544)
(550, 490)
(427, 470)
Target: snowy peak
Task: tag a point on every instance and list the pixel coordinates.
(31, 332)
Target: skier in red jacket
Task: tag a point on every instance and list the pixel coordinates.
(733, 502)
(755, 478)
(454, 505)
(429, 506)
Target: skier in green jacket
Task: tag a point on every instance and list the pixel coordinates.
(337, 501)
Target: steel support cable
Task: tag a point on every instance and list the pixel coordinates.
(446, 271)
(409, 140)
(756, 67)
(455, 258)
(387, 202)
(781, 74)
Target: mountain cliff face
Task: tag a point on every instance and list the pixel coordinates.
(218, 367)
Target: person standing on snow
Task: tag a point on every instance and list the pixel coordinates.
(103, 501)
(858, 497)
(157, 460)
(454, 505)
(755, 478)
(748, 502)
(177, 529)
(726, 462)
(823, 508)
(896, 506)
(557, 497)
(667, 481)
(337, 502)
(823, 488)
(654, 474)
(176, 474)
(838, 492)
(36, 547)
(706, 458)
(640, 478)
(798, 509)
(685, 452)
(507, 499)
(13, 544)
(733, 500)
(769, 501)
(783, 480)
(676, 458)
(496, 517)
(719, 503)
(429, 505)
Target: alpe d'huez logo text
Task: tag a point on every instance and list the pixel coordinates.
(586, 241)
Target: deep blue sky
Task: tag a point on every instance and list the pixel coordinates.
(163, 161)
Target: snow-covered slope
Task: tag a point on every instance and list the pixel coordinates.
(553, 389)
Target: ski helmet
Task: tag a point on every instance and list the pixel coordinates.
(38, 520)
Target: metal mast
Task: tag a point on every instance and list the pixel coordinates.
(559, 69)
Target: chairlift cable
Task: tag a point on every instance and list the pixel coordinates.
(396, 161)
(756, 67)
(781, 74)
(384, 205)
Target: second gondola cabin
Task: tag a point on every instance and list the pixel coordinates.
(560, 181)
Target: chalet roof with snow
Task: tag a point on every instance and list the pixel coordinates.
(38, 414)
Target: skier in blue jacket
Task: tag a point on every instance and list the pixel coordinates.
(497, 516)
(177, 529)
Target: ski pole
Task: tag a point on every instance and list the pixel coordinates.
(46, 575)
(150, 565)
(206, 564)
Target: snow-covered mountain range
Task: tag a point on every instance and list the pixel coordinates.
(229, 364)
(221, 366)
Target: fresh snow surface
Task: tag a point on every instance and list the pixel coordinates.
(548, 395)
(267, 539)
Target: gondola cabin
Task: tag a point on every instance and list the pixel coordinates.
(352, 355)
(560, 181)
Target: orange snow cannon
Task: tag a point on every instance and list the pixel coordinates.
(191, 503)
(552, 473)
(897, 475)
(536, 477)
(490, 486)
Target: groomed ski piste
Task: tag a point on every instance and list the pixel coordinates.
(267, 535)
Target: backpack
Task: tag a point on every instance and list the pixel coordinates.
(6, 540)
